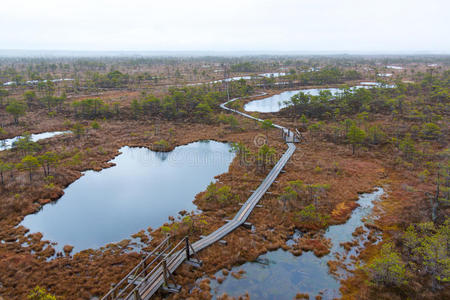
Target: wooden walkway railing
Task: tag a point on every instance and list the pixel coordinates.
(164, 264)
(126, 285)
(159, 259)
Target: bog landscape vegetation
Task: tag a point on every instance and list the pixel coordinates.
(371, 131)
(223, 175)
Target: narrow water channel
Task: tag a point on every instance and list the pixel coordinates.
(281, 275)
(142, 190)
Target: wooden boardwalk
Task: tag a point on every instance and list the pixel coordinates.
(155, 279)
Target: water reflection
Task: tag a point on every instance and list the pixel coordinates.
(143, 189)
(276, 102)
(283, 275)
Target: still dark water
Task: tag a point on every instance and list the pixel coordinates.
(281, 275)
(142, 190)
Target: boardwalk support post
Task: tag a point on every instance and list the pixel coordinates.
(193, 261)
(144, 265)
(188, 255)
(247, 225)
(168, 287)
(114, 293)
(136, 295)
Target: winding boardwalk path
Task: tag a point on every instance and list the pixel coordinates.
(147, 288)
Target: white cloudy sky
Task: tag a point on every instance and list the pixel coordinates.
(251, 25)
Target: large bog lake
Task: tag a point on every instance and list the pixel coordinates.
(143, 189)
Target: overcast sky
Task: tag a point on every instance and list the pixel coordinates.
(227, 25)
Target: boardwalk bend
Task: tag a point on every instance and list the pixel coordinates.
(142, 282)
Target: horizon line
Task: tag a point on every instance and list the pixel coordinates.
(9, 52)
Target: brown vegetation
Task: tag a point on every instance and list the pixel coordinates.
(318, 161)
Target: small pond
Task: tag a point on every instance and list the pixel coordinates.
(276, 102)
(8, 143)
(245, 77)
(37, 81)
(395, 67)
(270, 75)
(281, 275)
(143, 189)
(370, 83)
(231, 79)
